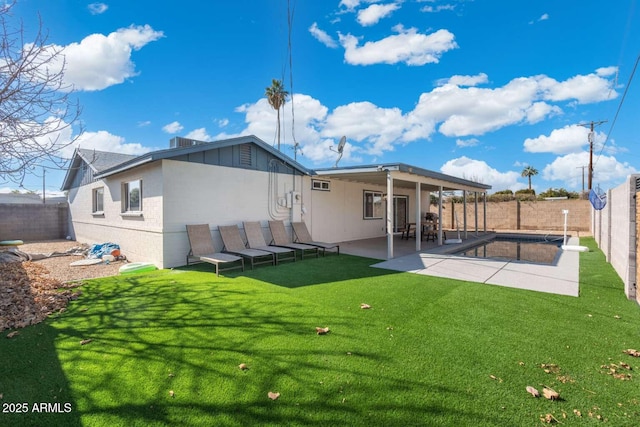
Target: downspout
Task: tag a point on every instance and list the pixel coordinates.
(484, 199)
(418, 219)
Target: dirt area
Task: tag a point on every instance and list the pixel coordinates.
(32, 290)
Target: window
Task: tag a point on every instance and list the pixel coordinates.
(98, 200)
(373, 207)
(317, 184)
(132, 196)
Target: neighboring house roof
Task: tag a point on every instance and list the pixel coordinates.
(376, 174)
(199, 147)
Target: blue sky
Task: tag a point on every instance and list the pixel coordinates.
(476, 89)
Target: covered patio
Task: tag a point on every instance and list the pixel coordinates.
(424, 182)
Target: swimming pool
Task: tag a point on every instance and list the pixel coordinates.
(526, 248)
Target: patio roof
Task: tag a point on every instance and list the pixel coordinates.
(401, 175)
(404, 176)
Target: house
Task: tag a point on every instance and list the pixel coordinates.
(144, 202)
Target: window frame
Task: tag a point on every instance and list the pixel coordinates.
(323, 185)
(126, 196)
(372, 202)
(94, 201)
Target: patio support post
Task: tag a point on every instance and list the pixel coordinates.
(440, 216)
(464, 211)
(418, 218)
(475, 200)
(389, 215)
(484, 199)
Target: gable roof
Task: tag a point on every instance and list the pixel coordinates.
(98, 161)
(199, 147)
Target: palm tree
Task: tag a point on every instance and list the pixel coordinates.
(528, 172)
(277, 96)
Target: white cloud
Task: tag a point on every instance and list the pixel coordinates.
(450, 109)
(223, 123)
(569, 139)
(439, 8)
(144, 123)
(544, 17)
(199, 134)
(471, 142)
(407, 46)
(99, 61)
(105, 141)
(173, 127)
(97, 8)
(374, 13)
(322, 36)
(584, 89)
(480, 171)
(607, 170)
(465, 80)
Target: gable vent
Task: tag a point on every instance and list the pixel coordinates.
(245, 155)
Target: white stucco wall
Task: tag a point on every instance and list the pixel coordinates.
(203, 194)
(337, 215)
(139, 237)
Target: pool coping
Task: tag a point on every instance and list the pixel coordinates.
(561, 278)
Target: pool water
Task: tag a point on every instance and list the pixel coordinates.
(526, 249)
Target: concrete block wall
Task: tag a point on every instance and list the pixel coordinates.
(28, 222)
(515, 215)
(615, 230)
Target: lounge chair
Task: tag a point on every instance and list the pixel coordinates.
(203, 251)
(255, 240)
(303, 236)
(234, 244)
(281, 238)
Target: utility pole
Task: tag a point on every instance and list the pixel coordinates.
(591, 139)
(44, 172)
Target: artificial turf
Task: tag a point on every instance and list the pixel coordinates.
(165, 349)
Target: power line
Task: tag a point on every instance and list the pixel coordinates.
(624, 95)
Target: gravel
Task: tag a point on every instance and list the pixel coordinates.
(32, 290)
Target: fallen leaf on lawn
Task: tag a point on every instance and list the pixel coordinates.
(578, 413)
(549, 419)
(521, 363)
(322, 331)
(550, 368)
(243, 366)
(12, 334)
(1, 396)
(625, 365)
(493, 377)
(632, 352)
(365, 306)
(273, 396)
(87, 341)
(617, 317)
(171, 393)
(171, 375)
(550, 394)
(532, 391)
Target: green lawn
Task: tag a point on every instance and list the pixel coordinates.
(166, 347)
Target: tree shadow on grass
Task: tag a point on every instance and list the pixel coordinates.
(166, 349)
(307, 272)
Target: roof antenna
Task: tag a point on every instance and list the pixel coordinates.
(340, 149)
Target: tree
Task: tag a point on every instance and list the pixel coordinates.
(528, 172)
(36, 111)
(277, 96)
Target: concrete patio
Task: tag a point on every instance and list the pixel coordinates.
(433, 260)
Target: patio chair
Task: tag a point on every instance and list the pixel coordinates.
(203, 251)
(255, 240)
(234, 244)
(431, 227)
(303, 236)
(280, 238)
(409, 231)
